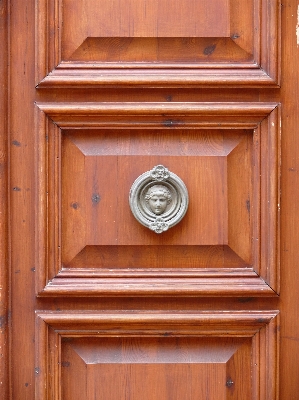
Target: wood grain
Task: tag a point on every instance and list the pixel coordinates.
(289, 354)
(122, 347)
(240, 285)
(77, 218)
(144, 19)
(68, 76)
(240, 31)
(133, 86)
(4, 208)
(162, 115)
(241, 219)
(22, 197)
(156, 258)
(86, 217)
(162, 51)
(145, 367)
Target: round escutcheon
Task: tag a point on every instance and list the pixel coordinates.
(159, 199)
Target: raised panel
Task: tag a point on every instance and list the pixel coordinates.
(157, 43)
(226, 243)
(150, 368)
(105, 166)
(224, 355)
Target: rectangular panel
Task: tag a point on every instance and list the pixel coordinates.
(165, 355)
(106, 166)
(157, 43)
(152, 368)
(93, 237)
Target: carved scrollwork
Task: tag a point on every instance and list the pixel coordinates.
(159, 199)
(159, 225)
(159, 173)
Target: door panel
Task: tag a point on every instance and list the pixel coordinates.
(95, 305)
(169, 356)
(138, 42)
(229, 235)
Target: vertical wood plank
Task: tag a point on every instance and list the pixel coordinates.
(289, 354)
(4, 261)
(22, 198)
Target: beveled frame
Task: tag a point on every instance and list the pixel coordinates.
(52, 71)
(53, 280)
(261, 326)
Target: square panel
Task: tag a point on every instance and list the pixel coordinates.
(224, 245)
(227, 355)
(158, 43)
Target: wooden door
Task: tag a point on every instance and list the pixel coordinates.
(94, 305)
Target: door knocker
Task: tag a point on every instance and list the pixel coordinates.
(159, 199)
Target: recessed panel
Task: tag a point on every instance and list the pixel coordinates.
(98, 170)
(151, 368)
(149, 355)
(88, 240)
(190, 42)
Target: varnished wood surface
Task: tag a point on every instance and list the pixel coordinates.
(289, 355)
(215, 196)
(251, 45)
(114, 339)
(165, 51)
(139, 19)
(23, 137)
(4, 241)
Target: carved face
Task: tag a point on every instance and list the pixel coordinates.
(158, 202)
(158, 197)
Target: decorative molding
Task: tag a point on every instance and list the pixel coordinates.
(259, 279)
(261, 69)
(167, 188)
(158, 283)
(261, 326)
(270, 134)
(70, 76)
(157, 115)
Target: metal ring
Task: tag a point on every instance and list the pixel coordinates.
(159, 199)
